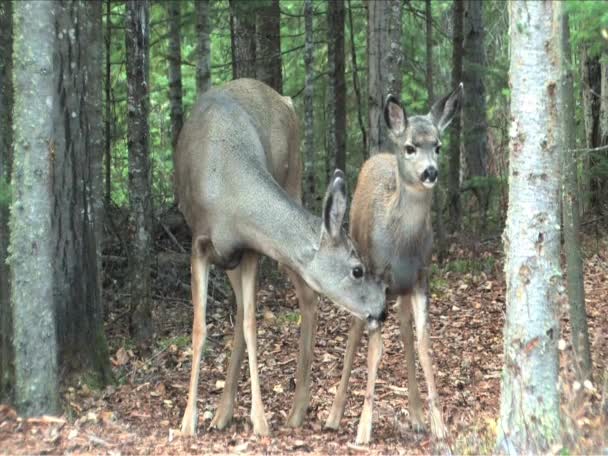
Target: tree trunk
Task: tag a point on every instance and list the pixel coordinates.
(337, 84)
(77, 191)
(383, 65)
(309, 133)
(602, 156)
(356, 83)
(570, 208)
(108, 107)
(202, 11)
(6, 142)
(175, 69)
(268, 44)
(138, 142)
(474, 122)
(242, 27)
(454, 160)
(32, 255)
(529, 411)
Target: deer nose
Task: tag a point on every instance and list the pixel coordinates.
(430, 174)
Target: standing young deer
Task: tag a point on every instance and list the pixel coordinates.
(390, 222)
(238, 174)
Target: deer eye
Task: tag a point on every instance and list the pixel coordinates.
(437, 150)
(357, 272)
(410, 149)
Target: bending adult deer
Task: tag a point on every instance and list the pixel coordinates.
(238, 174)
(390, 222)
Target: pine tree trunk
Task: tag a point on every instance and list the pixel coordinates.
(202, 11)
(268, 44)
(474, 122)
(138, 139)
(383, 65)
(32, 255)
(309, 133)
(356, 83)
(77, 191)
(6, 141)
(529, 411)
(337, 84)
(242, 26)
(570, 208)
(175, 69)
(454, 210)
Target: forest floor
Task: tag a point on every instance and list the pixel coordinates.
(141, 413)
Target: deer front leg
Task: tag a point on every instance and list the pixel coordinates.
(419, 303)
(200, 275)
(225, 408)
(249, 271)
(407, 335)
(337, 409)
(308, 308)
(374, 354)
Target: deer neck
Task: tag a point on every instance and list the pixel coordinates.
(411, 205)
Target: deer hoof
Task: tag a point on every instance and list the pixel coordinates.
(220, 420)
(296, 418)
(260, 426)
(189, 424)
(333, 420)
(438, 429)
(364, 433)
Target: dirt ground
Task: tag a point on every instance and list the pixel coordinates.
(141, 413)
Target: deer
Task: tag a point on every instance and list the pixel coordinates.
(390, 223)
(238, 183)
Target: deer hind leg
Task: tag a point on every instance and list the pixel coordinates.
(225, 408)
(249, 268)
(420, 305)
(404, 304)
(337, 409)
(374, 354)
(200, 275)
(308, 308)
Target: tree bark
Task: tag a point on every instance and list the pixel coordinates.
(242, 27)
(268, 44)
(570, 210)
(337, 84)
(529, 410)
(474, 121)
(383, 65)
(309, 133)
(6, 142)
(175, 69)
(36, 98)
(77, 191)
(454, 160)
(602, 186)
(202, 12)
(108, 107)
(356, 83)
(138, 142)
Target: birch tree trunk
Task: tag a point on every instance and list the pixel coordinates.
(454, 210)
(31, 249)
(202, 11)
(309, 133)
(268, 44)
(570, 210)
(383, 65)
(337, 84)
(529, 409)
(474, 121)
(138, 142)
(174, 59)
(6, 141)
(242, 26)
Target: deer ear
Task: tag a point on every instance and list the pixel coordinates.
(334, 205)
(444, 110)
(394, 115)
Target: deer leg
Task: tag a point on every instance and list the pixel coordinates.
(407, 335)
(308, 308)
(337, 409)
(225, 408)
(249, 267)
(200, 275)
(419, 303)
(374, 354)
